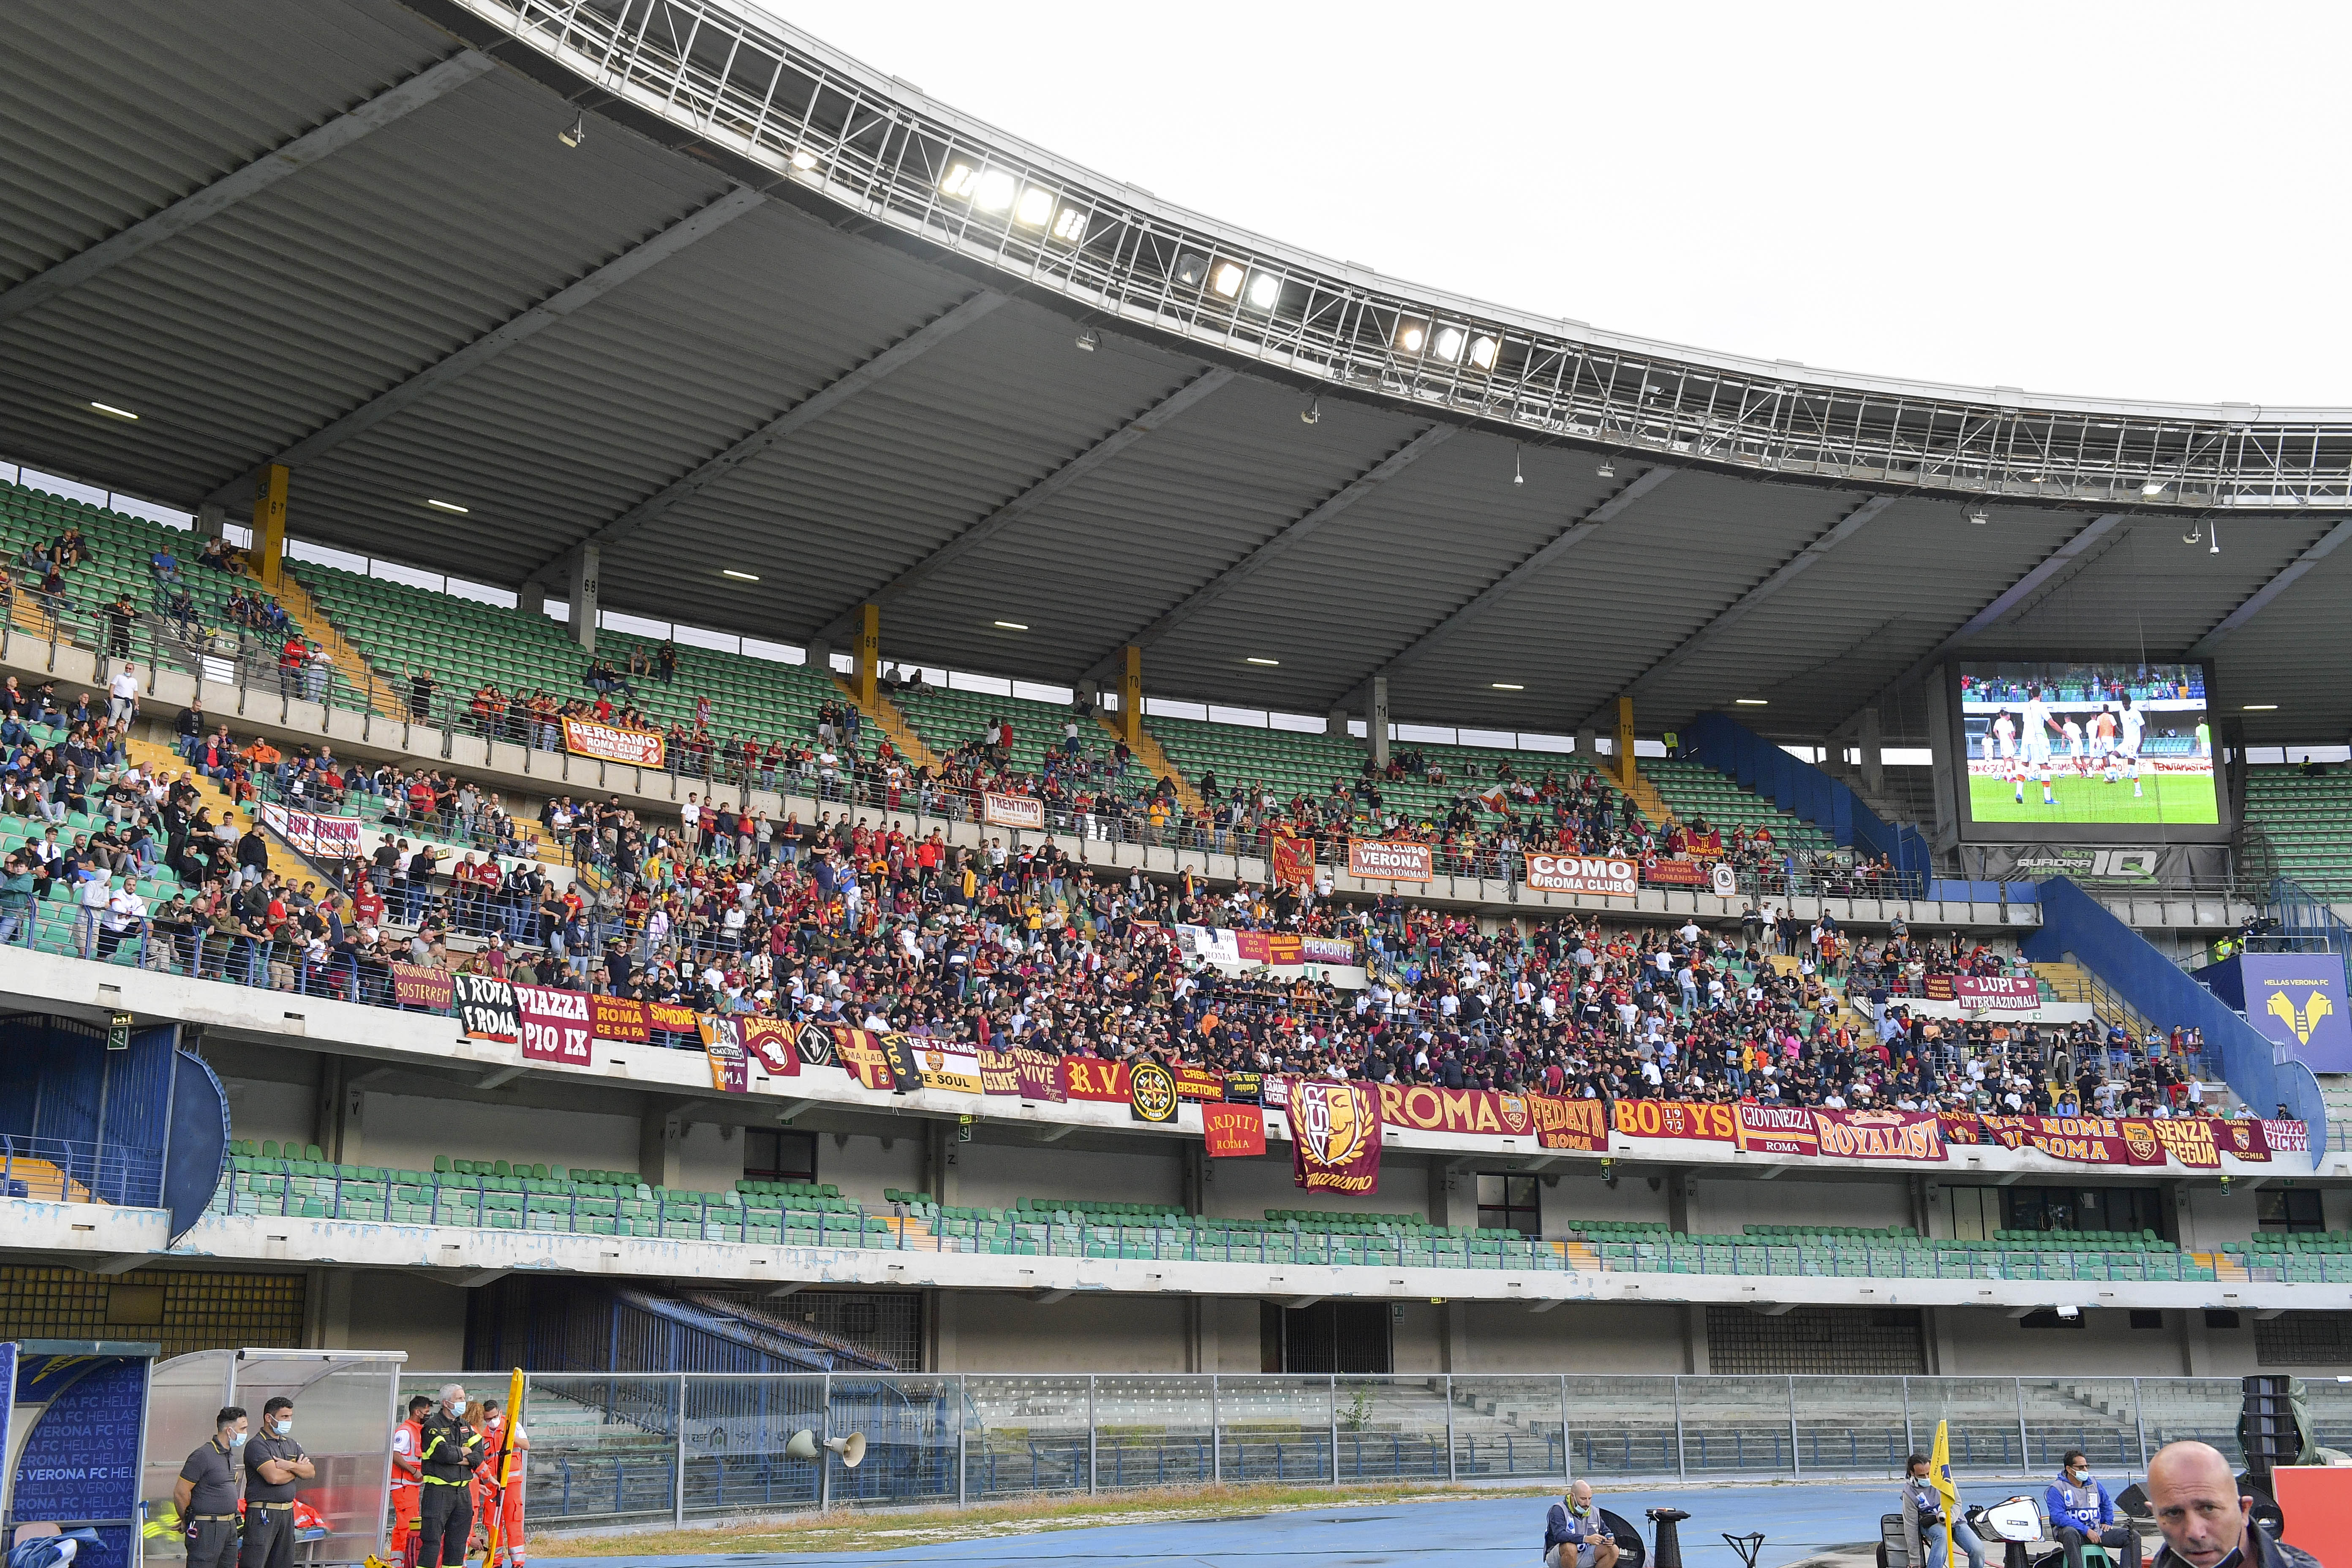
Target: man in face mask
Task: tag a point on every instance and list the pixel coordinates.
(1574, 1536)
(2081, 1512)
(205, 1495)
(2207, 1522)
(274, 1462)
(446, 1460)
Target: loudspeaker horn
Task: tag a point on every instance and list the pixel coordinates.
(801, 1447)
(851, 1448)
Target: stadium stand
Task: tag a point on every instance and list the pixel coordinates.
(2306, 814)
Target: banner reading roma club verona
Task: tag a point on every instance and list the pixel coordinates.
(1389, 860)
(486, 1007)
(1427, 1109)
(620, 1018)
(1917, 1135)
(1777, 1130)
(1011, 810)
(556, 1026)
(722, 1043)
(1292, 864)
(1334, 1137)
(1608, 877)
(1577, 1124)
(1233, 1131)
(612, 742)
(769, 1042)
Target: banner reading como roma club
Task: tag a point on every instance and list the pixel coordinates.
(1389, 860)
(612, 744)
(1011, 810)
(1610, 878)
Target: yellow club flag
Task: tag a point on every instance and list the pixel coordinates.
(1939, 1470)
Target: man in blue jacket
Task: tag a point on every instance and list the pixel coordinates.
(2081, 1513)
(1574, 1536)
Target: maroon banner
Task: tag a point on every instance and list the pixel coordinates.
(1609, 877)
(1326, 950)
(2246, 1140)
(414, 985)
(1427, 1109)
(1675, 874)
(1233, 1131)
(722, 1043)
(612, 744)
(1581, 1125)
(1997, 993)
(621, 1018)
(2188, 1139)
(1334, 1137)
(1293, 861)
(2079, 1140)
(1198, 1083)
(771, 1043)
(1086, 1078)
(1389, 860)
(556, 1025)
(1778, 1130)
(1908, 1135)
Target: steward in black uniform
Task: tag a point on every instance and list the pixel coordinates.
(270, 1504)
(447, 1457)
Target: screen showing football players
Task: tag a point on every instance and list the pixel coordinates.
(2088, 745)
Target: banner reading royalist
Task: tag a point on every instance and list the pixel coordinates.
(1334, 1137)
(612, 743)
(620, 1018)
(1011, 810)
(486, 1007)
(1575, 1124)
(1233, 1131)
(556, 1026)
(769, 1042)
(1425, 1108)
(1389, 860)
(722, 1043)
(414, 985)
(1293, 861)
(1605, 875)
(1880, 1134)
(1778, 1130)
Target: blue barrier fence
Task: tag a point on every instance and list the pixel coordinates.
(1731, 748)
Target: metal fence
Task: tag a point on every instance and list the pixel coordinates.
(645, 1447)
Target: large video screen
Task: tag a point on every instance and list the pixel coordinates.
(2087, 750)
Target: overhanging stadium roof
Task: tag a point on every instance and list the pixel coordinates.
(781, 313)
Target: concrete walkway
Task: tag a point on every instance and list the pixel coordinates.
(1799, 1522)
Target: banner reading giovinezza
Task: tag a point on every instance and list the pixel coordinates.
(1389, 860)
(1011, 810)
(1606, 876)
(1334, 1137)
(612, 742)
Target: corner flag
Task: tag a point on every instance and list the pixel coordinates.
(1939, 1470)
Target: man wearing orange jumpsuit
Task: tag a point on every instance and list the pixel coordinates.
(497, 1434)
(407, 1478)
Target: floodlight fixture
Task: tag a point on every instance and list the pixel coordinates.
(1070, 225)
(1192, 269)
(1608, 469)
(1448, 346)
(2151, 490)
(959, 181)
(994, 191)
(803, 160)
(1089, 339)
(1264, 291)
(1979, 516)
(1410, 336)
(576, 134)
(1226, 277)
(1312, 412)
(1517, 477)
(1483, 350)
(1035, 206)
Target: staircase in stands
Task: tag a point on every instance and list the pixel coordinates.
(341, 650)
(1147, 752)
(2073, 982)
(893, 724)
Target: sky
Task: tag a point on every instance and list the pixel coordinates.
(2143, 201)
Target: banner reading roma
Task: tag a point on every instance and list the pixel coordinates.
(1581, 1125)
(1334, 1137)
(620, 1018)
(1607, 877)
(1011, 810)
(861, 1055)
(1293, 861)
(1389, 860)
(722, 1043)
(555, 1024)
(1880, 1134)
(612, 743)
(1233, 1131)
(2079, 1140)
(1425, 1108)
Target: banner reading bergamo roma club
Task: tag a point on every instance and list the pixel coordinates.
(1610, 878)
(612, 743)
(1334, 1137)
(1389, 860)
(556, 1025)
(1011, 810)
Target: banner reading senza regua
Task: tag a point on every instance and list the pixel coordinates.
(1334, 1137)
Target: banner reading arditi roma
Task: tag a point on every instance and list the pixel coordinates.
(612, 742)
(1334, 1137)
(1233, 1131)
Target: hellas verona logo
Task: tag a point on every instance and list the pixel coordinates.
(2303, 1020)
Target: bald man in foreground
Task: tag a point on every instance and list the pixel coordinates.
(2203, 1517)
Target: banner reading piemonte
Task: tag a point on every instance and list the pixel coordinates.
(612, 742)
(1334, 1137)
(1389, 860)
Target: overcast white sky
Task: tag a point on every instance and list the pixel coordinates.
(2124, 200)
